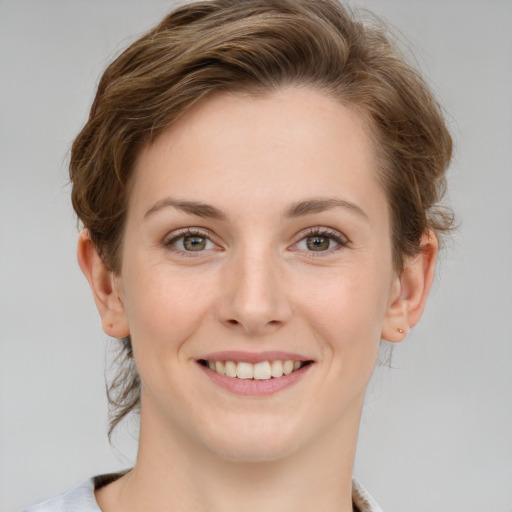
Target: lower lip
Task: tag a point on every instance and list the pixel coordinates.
(253, 387)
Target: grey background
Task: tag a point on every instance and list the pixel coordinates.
(437, 430)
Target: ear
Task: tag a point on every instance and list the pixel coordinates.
(105, 288)
(410, 290)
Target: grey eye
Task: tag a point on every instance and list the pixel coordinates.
(318, 243)
(194, 243)
(191, 243)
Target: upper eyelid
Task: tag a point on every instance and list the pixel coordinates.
(191, 231)
(307, 232)
(322, 231)
(169, 242)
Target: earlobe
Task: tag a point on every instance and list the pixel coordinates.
(410, 291)
(104, 288)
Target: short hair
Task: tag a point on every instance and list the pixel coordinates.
(256, 47)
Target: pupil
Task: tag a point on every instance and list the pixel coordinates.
(194, 243)
(318, 243)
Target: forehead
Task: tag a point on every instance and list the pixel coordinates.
(279, 146)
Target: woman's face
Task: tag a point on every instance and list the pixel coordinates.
(257, 233)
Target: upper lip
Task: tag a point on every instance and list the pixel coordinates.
(253, 357)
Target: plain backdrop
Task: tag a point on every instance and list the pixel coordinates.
(437, 429)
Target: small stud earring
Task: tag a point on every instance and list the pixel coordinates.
(401, 331)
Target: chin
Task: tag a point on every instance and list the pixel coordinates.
(254, 443)
(255, 452)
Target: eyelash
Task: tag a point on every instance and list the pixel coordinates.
(188, 232)
(330, 234)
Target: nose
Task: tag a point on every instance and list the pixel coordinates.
(254, 297)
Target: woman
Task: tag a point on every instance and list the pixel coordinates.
(259, 186)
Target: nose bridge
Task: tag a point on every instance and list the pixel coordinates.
(255, 298)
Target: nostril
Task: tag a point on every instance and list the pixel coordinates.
(233, 322)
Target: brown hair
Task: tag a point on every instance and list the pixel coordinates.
(256, 46)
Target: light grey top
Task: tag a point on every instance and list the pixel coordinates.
(81, 498)
(78, 499)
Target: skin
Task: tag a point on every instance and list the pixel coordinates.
(258, 283)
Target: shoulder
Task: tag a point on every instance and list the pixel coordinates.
(81, 498)
(78, 499)
(362, 499)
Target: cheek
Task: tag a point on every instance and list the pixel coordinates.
(347, 311)
(165, 308)
(346, 301)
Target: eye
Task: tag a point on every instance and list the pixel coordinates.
(321, 240)
(190, 241)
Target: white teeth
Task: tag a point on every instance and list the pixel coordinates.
(244, 370)
(220, 367)
(288, 367)
(264, 370)
(230, 367)
(276, 369)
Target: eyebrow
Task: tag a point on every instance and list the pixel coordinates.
(298, 209)
(193, 207)
(318, 205)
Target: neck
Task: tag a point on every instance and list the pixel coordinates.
(174, 474)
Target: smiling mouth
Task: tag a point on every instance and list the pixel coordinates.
(264, 370)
